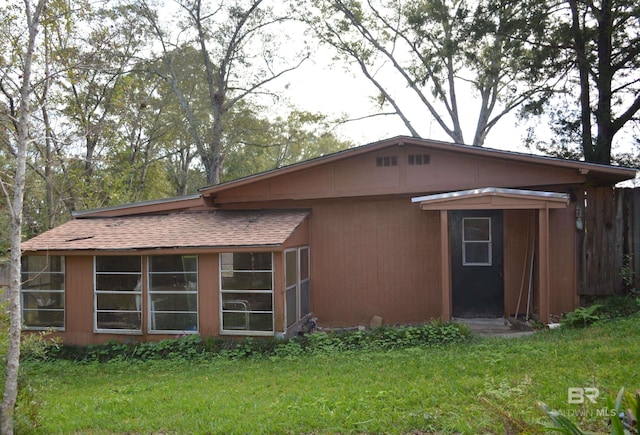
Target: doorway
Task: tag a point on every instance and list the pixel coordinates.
(477, 278)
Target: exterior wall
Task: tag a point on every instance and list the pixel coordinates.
(563, 291)
(520, 227)
(371, 257)
(360, 176)
(519, 231)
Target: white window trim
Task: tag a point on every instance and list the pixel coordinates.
(488, 242)
(295, 286)
(301, 281)
(221, 291)
(138, 294)
(64, 298)
(149, 312)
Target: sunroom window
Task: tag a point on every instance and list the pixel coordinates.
(118, 293)
(246, 292)
(173, 293)
(297, 284)
(42, 291)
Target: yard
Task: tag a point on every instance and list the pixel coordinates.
(482, 386)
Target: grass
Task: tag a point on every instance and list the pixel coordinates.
(485, 386)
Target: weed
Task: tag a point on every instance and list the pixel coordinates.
(582, 317)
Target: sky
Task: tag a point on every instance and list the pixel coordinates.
(321, 85)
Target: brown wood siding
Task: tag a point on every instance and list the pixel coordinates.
(563, 284)
(208, 295)
(361, 176)
(519, 228)
(374, 258)
(79, 300)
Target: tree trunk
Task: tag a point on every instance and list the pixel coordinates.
(13, 357)
(583, 69)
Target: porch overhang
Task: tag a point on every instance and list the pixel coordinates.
(497, 199)
(493, 198)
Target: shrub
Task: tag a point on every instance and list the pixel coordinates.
(192, 347)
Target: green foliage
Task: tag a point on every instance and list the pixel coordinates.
(424, 389)
(582, 316)
(39, 345)
(603, 308)
(193, 347)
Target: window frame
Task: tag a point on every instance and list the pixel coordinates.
(222, 291)
(299, 283)
(62, 291)
(136, 292)
(295, 287)
(488, 243)
(150, 293)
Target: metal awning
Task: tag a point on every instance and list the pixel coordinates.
(493, 198)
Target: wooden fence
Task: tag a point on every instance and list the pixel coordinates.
(610, 244)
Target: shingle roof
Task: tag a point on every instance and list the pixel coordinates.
(178, 230)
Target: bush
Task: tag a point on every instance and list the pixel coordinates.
(604, 308)
(192, 347)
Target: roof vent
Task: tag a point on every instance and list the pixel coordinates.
(386, 161)
(419, 159)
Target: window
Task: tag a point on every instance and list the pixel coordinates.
(291, 277)
(476, 241)
(42, 292)
(305, 301)
(246, 292)
(118, 293)
(297, 284)
(173, 293)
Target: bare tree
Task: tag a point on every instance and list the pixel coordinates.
(441, 51)
(32, 15)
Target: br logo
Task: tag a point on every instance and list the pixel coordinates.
(578, 395)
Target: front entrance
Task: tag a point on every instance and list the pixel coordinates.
(477, 279)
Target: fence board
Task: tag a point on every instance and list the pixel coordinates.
(612, 231)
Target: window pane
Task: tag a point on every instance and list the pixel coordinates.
(292, 307)
(118, 288)
(43, 281)
(125, 263)
(174, 321)
(109, 320)
(477, 229)
(305, 306)
(477, 253)
(247, 321)
(42, 300)
(39, 263)
(247, 281)
(173, 282)
(42, 291)
(304, 263)
(118, 302)
(291, 268)
(246, 261)
(247, 301)
(117, 282)
(43, 318)
(174, 302)
(173, 263)
(241, 310)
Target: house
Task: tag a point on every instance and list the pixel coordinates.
(407, 229)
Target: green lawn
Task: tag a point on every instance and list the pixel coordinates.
(477, 387)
